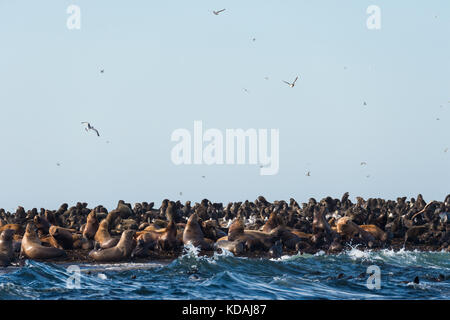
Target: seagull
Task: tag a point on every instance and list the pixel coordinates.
(102, 71)
(217, 12)
(363, 163)
(58, 164)
(254, 39)
(203, 177)
(181, 193)
(89, 127)
(246, 90)
(365, 104)
(291, 84)
(308, 174)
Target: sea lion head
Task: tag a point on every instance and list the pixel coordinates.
(7, 235)
(104, 225)
(31, 232)
(92, 217)
(126, 241)
(54, 231)
(127, 235)
(236, 229)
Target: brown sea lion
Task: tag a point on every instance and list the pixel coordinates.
(103, 237)
(6, 247)
(33, 249)
(62, 236)
(168, 240)
(193, 234)
(91, 227)
(254, 240)
(16, 227)
(348, 229)
(375, 231)
(145, 242)
(236, 247)
(273, 222)
(80, 242)
(42, 225)
(120, 252)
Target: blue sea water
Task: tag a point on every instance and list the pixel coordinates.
(224, 276)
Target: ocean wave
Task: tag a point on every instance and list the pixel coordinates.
(224, 276)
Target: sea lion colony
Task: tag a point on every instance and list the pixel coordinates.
(258, 228)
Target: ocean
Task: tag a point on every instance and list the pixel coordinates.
(223, 276)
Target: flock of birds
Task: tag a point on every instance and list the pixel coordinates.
(89, 127)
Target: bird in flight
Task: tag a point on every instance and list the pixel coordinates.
(363, 163)
(219, 11)
(89, 127)
(291, 84)
(308, 174)
(446, 149)
(203, 177)
(102, 71)
(365, 104)
(58, 164)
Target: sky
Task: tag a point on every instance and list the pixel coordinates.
(169, 63)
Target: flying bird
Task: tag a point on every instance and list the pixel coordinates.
(363, 163)
(219, 11)
(58, 164)
(365, 104)
(446, 149)
(89, 127)
(102, 71)
(308, 174)
(291, 84)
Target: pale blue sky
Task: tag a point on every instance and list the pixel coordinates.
(168, 63)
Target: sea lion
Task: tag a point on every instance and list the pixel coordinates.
(103, 237)
(6, 247)
(144, 242)
(16, 227)
(236, 247)
(62, 236)
(273, 222)
(121, 251)
(193, 234)
(33, 249)
(276, 250)
(42, 225)
(253, 239)
(348, 229)
(91, 227)
(375, 231)
(168, 240)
